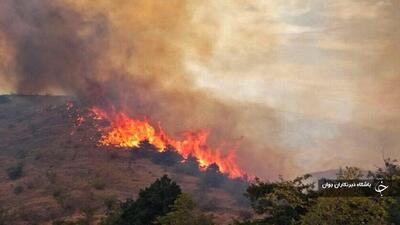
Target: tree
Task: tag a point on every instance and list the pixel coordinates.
(168, 157)
(212, 176)
(15, 172)
(154, 201)
(294, 202)
(184, 212)
(346, 210)
(190, 166)
(390, 173)
(282, 202)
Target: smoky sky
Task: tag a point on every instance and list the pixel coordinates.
(55, 47)
(303, 85)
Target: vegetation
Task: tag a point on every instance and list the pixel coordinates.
(63, 198)
(296, 203)
(15, 172)
(184, 212)
(153, 202)
(18, 189)
(98, 183)
(51, 175)
(4, 216)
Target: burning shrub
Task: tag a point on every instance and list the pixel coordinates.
(124, 131)
(168, 157)
(190, 166)
(15, 172)
(145, 150)
(212, 177)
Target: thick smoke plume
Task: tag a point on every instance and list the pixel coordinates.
(128, 54)
(303, 85)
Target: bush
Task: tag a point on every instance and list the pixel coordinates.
(15, 172)
(184, 212)
(18, 190)
(110, 202)
(98, 184)
(212, 177)
(4, 216)
(190, 166)
(51, 175)
(63, 198)
(169, 157)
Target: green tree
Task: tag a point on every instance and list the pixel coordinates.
(390, 173)
(154, 201)
(294, 202)
(282, 202)
(346, 210)
(184, 212)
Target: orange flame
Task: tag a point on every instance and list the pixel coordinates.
(126, 132)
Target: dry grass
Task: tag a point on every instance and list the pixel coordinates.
(63, 174)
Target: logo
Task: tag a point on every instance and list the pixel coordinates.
(380, 187)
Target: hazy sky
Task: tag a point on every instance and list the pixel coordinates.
(330, 69)
(327, 72)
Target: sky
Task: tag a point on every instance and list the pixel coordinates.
(311, 84)
(328, 68)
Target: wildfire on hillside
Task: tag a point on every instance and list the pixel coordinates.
(125, 132)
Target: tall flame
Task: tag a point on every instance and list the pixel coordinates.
(127, 132)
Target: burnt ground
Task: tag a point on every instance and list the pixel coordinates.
(51, 169)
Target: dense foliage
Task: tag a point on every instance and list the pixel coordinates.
(154, 201)
(296, 202)
(184, 212)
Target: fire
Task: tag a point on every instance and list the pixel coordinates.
(127, 132)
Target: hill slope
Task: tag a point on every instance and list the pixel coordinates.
(64, 172)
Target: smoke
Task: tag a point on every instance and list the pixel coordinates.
(129, 54)
(292, 81)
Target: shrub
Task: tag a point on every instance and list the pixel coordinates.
(98, 183)
(169, 157)
(184, 212)
(4, 216)
(110, 202)
(15, 172)
(63, 198)
(18, 189)
(51, 175)
(212, 177)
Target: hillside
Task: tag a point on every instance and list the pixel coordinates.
(65, 173)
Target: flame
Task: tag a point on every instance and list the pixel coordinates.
(127, 132)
